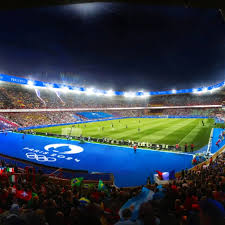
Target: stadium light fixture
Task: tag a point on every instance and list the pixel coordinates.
(49, 86)
(76, 90)
(64, 89)
(110, 93)
(129, 94)
(30, 83)
(99, 92)
(195, 91)
(89, 91)
(174, 91)
(88, 10)
(204, 90)
(145, 94)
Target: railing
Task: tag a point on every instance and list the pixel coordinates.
(200, 165)
(66, 174)
(9, 122)
(210, 142)
(130, 143)
(107, 109)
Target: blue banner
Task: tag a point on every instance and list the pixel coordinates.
(35, 83)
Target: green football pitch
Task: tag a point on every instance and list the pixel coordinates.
(157, 131)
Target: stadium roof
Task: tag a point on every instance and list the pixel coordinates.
(93, 91)
(15, 4)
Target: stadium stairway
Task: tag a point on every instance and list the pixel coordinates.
(6, 124)
(78, 117)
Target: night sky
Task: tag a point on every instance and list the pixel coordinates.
(119, 46)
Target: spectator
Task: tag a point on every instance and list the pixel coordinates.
(126, 215)
(212, 213)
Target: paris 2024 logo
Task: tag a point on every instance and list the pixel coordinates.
(54, 152)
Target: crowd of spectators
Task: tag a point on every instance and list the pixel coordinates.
(18, 96)
(196, 197)
(48, 118)
(188, 99)
(211, 112)
(14, 96)
(44, 118)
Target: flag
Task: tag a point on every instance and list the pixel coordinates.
(13, 189)
(101, 185)
(76, 181)
(84, 201)
(10, 170)
(13, 179)
(34, 195)
(24, 195)
(135, 202)
(159, 174)
(166, 175)
(2, 170)
(88, 186)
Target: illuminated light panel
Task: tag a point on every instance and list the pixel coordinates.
(129, 94)
(76, 91)
(110, 93)
(89, 10)
(49, 86)
(195, 91)
(64, 89)
(99, 93)
(204, 90)
(174, 91)
(89, 91)
(145, 94)
(39, 84)
(30, 83)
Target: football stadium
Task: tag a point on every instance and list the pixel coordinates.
(72, 153)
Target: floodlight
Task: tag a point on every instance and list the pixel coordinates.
(99, 92)
(145, 94)
(174, 91)
(89, 91)
(49, 86)
(110, 93)
(30, 83)
(129, 94)
(65, 89)
(76, 90)
(204, 90)
(195, 90)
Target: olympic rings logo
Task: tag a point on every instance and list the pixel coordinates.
(40, 158)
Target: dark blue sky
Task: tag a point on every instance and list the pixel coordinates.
(118, 46)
